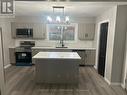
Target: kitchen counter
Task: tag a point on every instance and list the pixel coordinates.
(57, 55)
(68, 47)
(87, 52)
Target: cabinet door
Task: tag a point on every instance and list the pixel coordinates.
(13, 30)
(12, 56)
(39, 30)
(83, 57)
(82, 54)
(86, 31)
(81, 31)
(90, 57)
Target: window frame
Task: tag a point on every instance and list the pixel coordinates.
(75, 34)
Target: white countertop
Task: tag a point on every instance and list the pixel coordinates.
(71, 48)
(57, 55)
(68, 48)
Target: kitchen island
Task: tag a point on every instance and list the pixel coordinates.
(57, 67)
(86, 52)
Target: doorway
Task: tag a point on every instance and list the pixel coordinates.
(102, 48)
(2, 79)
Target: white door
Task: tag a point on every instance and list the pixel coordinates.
(2, 80)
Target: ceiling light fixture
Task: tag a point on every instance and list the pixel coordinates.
(58, 16)
(67, 19)
(58, 19)
(49, 18)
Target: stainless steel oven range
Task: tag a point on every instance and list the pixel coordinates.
(24, 53)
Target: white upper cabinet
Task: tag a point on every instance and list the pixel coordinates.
(13, 29)
(86, 31)
(39, 29)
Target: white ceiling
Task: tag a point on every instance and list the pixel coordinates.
(38, 8)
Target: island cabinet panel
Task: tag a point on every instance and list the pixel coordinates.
(57, 67)
(86, 31)
(57, 71)
(39, 29)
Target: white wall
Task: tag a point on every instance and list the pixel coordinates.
(117, 18)
(121, 28)
(7, 39)
(2, 79)
(110, 16)
(124, 74)
(119, 43)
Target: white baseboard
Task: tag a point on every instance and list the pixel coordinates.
(107, 81)
(95, 67)
(122, 85)
(7, 66)
(116, 84)
(113, 83)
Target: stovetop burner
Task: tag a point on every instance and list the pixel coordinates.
(23, 49)
(25, 46)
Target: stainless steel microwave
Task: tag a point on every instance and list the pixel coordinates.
(24, 33)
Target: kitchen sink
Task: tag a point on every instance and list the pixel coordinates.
(61, 47)
(44, 46)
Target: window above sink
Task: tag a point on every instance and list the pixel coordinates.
(57, 32)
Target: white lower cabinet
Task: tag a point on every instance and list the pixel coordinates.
(87, 57)
(90, 57)
(12, 56)
(82, 54)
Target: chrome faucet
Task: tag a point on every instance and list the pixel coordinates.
(62, 34)
(62, 42)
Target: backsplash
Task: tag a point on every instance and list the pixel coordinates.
(47, 43)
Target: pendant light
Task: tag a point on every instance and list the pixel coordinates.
(58, 19)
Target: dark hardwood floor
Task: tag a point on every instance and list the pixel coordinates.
(20, 81)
